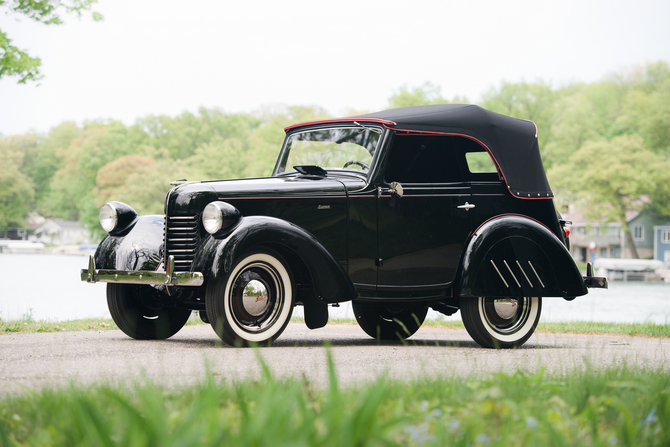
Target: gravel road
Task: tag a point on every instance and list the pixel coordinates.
(33, 361)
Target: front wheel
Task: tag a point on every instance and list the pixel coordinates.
(500, 322)
(138, 311)
(252, 303)
(389, 323)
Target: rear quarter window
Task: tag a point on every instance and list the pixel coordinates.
(480, 162)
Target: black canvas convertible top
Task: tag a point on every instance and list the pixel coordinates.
(512, 142)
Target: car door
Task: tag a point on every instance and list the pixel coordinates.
(421, 230)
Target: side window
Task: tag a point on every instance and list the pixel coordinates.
(638, 233)
(480, 162)
(423, 159)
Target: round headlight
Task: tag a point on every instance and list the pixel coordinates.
(108, 217)
(212, 218)
(218, 217)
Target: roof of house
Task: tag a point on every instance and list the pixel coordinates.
(578, 218)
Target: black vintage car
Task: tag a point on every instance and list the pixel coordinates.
(444, 207)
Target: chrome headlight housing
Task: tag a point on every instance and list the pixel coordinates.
(219, 216)
(116, 216)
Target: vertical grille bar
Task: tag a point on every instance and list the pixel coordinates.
(181, 240)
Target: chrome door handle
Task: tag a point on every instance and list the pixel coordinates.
(466, 207)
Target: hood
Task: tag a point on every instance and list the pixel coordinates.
(191, 198)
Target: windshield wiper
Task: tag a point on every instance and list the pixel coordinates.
(371, 129)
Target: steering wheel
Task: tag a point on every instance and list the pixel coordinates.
(356, 162)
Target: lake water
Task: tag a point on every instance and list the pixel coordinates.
(48, 287)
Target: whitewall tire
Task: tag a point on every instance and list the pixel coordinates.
(253, 303)
(501, 322)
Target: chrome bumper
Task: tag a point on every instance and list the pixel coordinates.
(168, 278)
(594, 282)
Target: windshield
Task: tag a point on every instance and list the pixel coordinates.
(343, 147)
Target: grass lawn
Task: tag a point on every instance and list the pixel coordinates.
(614, 407)
(578, 327)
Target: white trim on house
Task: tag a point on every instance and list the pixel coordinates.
(665, 231)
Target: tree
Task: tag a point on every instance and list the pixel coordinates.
(182, 135)
(528, 101)
(220, 159)
(114, 174)
(16, 189)
(610, 179)
(266, 140)
(145, 188)
(16, 62)
(573, 125)
(426, 94)
(71, 195)
(47, 161)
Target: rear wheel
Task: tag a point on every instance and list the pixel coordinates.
(138, 311)
(501, 322)
(389, 323)
(253, 303)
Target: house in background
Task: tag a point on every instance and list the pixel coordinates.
(62, 232)
(591, 240)
(662, 243)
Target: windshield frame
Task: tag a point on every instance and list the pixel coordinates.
(284, 153)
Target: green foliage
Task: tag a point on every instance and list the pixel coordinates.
(530, 101)
(426, 94)
(612, 178)
(16, 189)
(16, 62)
(604, 144)
(615, 406)
(28, 325)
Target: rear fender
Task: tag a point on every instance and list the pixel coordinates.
(216, 256)
(139, 248)
(518, 256)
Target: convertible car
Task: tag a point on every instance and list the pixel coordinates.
(443, 207)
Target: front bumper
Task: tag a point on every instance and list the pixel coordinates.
(168, 278)
(594, 282)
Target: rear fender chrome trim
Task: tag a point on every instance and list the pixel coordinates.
(512, 273)
(524, 273)
(538, 276)
(500, 274)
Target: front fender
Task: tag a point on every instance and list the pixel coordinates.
(216, 256)
(140, 248)
(518, 256)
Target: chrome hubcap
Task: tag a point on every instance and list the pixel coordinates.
(506, 315)
(257, 297)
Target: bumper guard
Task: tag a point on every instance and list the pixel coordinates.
(168, 278)
(594, 282)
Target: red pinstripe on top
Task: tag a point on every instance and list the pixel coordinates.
(340, 120)
(387, 123)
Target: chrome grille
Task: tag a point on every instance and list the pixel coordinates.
(181, 240)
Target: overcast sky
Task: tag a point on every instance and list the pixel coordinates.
(165, 57)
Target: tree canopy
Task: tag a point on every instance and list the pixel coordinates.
(605, 145)
(17, 62)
